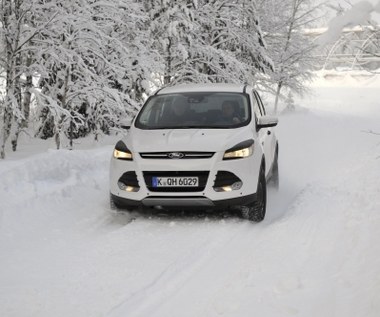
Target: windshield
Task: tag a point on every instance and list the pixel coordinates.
(195, 110)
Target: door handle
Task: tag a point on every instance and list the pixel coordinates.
(269, 133)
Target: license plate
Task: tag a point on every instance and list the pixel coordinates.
(175, 181)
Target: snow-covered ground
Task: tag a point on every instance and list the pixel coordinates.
(62, 253)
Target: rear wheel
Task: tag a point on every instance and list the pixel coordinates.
(256, 210)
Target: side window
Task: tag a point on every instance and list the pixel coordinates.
(262, 109)
(256, 107)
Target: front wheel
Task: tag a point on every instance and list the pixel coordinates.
(117, 207)
(256, 210)
(113, 205)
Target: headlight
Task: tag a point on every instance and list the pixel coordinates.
(241, 150)
(238, 154)
(121, 152)
(122, 155)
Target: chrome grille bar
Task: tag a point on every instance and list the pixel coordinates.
(183, 155)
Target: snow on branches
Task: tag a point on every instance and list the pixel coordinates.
(79, 67)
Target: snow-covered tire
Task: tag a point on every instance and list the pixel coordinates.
(256, 210)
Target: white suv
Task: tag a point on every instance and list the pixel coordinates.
(208, 145)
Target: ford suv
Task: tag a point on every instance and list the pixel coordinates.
(209, 146)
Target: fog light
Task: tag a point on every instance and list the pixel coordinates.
(127, 188)
(237, 185)
(230, 188)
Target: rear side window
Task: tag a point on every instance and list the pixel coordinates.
(195, 110)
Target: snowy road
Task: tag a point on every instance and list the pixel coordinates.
(62, 253)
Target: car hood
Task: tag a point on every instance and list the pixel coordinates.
(207, 140)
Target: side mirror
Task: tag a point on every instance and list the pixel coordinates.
(266, 122)
(126, 124)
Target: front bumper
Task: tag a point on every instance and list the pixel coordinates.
(247, 170)
(182, 202)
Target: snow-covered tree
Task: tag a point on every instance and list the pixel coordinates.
(17, 31)
(229, 46)
(10, 60)
(359, 13)
(92, 72)
(207, 41)
(288, 45)
(86, 64)
(172, 32)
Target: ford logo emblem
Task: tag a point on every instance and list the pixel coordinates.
(176, 155)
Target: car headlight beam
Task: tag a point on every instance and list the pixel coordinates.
(121, 152)
(122, 155)
(246, 152)
(241, 150)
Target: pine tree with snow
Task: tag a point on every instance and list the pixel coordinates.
(290, 104)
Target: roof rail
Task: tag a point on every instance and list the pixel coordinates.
(158, 91)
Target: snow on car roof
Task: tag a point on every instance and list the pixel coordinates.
(202, 87)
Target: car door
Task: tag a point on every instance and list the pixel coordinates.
(266, 135)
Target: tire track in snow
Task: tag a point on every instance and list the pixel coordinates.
(177, 274)
(274, 264)
(319, 257)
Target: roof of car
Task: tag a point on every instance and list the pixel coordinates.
(202, 88)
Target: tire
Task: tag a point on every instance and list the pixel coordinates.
(116, 207)
(275, 177)
(113, 205)
(256, 210)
